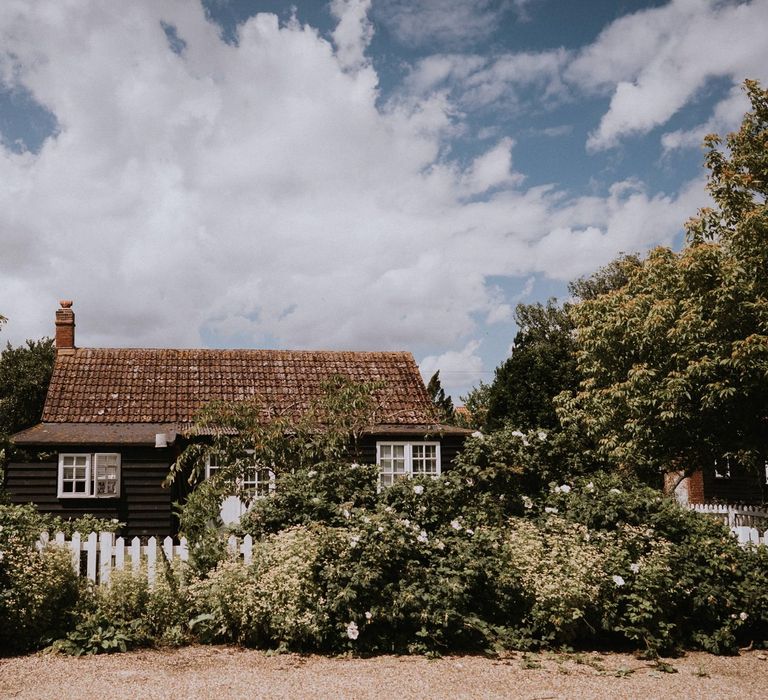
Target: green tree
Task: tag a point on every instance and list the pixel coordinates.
(475, 407)
(25, 372)
(443, 404)
(542, 364)
(675, 361)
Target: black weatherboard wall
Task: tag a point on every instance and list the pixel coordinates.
(143, 505)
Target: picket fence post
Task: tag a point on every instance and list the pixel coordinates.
(105, 551)
(151, 561)
(91, 552)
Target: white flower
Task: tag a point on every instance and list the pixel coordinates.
(477, 434)
(368, 615)
(527, 502)
(418, 489)
(354, 540)
(354, 465)
(517, 433)
(549, 509)
(618, 580)
(634, 567)
(542, 435)
(406, 522)
(564, 488)
(312, 473)
(440, 545)
(346, 513)
(380, 528)
(743, 616)
(469, 531)
(422, 536)
(455, 525)
(366, 519)
(389, 509)
(590, 487)
(614, 491)
(352, 631)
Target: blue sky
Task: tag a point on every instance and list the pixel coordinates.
(362, 174)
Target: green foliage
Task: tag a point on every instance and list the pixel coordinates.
(37, 587)
(314, 446)
(313, 495)
(685, 582)
(475, 411)
(128, 613)
(542, 364)
(509, 462)
(443, 404)
(675, 361)
(25, 372)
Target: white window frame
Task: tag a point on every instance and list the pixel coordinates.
(248, 485)
(408, 472)
(90, 479)
(725, 474)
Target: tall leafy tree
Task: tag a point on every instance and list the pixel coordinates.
(542, 364)
(25, 372)
(675, 361)
(443, 403)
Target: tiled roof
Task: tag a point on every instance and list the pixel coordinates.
(170, 386)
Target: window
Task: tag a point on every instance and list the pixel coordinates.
(89, 475)
(723, 468)
(257, 483)
(402, 460)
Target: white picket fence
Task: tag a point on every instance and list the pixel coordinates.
(750, 535)
(734, 516)
(98, 554)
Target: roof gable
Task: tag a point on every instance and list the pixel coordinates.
(169, 386)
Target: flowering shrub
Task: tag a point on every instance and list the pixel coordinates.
(127, 613)
(37, 588)
(685, 581)
(272, 603)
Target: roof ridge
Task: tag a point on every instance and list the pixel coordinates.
(268, 350)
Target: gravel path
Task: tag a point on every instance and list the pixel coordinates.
(226, 672)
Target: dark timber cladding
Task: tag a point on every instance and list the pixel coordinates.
(143, 505)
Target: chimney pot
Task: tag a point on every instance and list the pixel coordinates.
(65, 328)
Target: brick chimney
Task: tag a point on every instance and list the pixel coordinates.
(65, 328)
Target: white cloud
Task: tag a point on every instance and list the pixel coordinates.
(491, 169)
(480, 81)
(656, 61)
(726, 117)
(255, 193)
(444, 22)
(459, 369)
(354, 31)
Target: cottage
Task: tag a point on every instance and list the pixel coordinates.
(115, 419)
